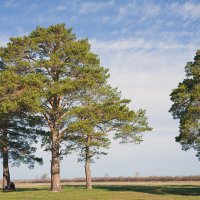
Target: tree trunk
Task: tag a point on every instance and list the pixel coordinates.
(6, 173)
(55, 167)
(87, 170)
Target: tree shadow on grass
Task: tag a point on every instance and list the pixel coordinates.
(26, 190)
(185, 190)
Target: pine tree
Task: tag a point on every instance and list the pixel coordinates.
(16, 144)
(16, 137)
(101, 112)
(186, 106)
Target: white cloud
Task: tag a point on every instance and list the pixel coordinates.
(188, 10)
(191, 10)
(136, 13)
(141, 10)
(90, 7)
(152, 9)
(139, 43)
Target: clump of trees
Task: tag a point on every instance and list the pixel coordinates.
(62, 86)
(186, 106)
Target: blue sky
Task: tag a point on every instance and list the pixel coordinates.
(146, 45)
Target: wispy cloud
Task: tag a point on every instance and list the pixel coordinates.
(189, 10)
(139, 43)
(90, 7)
(141, 10)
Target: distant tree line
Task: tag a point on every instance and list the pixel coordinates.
(117, 179)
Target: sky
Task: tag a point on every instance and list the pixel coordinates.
(145, 45)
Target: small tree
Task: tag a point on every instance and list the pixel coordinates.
(16, 145)
(186, 106)
(103, 111)
(106, 175)
(16, 135)
(44, 177)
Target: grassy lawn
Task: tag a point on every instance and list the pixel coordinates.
(135, 191)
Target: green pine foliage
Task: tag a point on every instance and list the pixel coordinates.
(21, 139)
(186, 106)
(102, 113)
(18, 98)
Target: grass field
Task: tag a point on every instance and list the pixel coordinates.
(108, 191)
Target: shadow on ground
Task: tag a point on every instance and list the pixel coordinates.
(26, 190)
(185, 190)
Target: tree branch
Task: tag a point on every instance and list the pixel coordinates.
(49, 122)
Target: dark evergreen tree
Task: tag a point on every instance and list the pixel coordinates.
(186, 106)
(17, 141)
(17, 130)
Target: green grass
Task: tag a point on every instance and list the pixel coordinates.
(100, 192)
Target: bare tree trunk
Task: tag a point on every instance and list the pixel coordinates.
(52, 120)
(87, 170)
(6, 173)
(55, 167)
